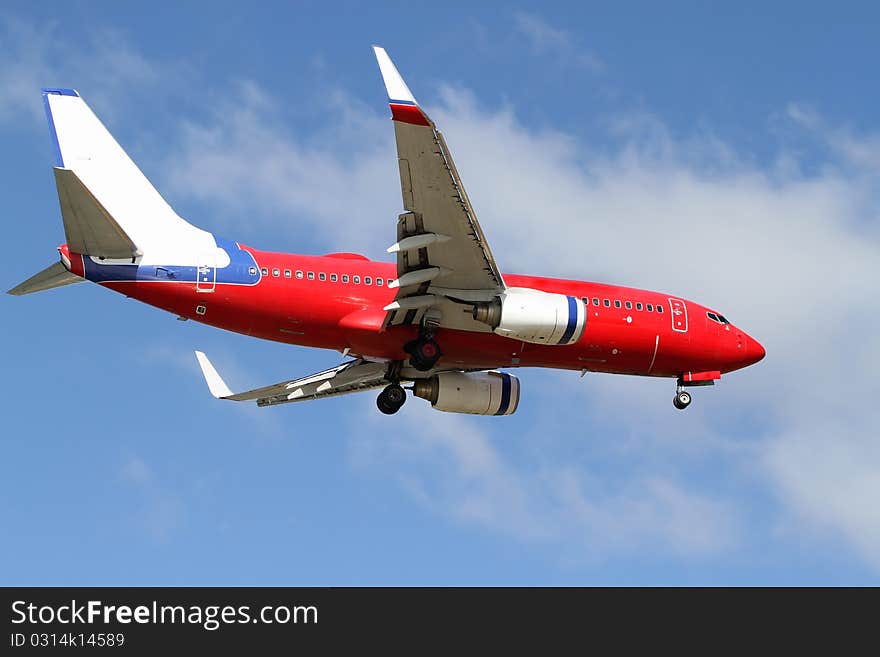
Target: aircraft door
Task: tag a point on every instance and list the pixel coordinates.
(678, 312)
(206, 274)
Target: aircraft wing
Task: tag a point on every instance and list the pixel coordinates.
(353, 376)
(441, 249)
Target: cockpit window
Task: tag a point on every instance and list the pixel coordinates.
(717, 318)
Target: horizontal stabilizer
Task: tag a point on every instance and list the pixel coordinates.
(52, 276)
(89, 228)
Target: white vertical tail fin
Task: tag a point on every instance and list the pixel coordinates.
(84, 146)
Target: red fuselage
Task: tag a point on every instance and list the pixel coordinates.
(325, 301)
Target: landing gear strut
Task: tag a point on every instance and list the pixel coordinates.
(682, 398)
(424, 352)
(391, 399)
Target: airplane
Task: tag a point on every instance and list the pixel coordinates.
(442, 320)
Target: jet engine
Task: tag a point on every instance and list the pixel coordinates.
(478, 393)
(534, 316)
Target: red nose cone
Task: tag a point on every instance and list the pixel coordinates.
(754, 351)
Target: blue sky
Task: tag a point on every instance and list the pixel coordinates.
(731, 155)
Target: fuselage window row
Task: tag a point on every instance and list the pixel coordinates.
(638, 306)
(321, 276)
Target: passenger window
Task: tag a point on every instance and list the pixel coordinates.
(252, 271)
(638, 305)
(379, 281)
(616, 303)
(650, 307)
(357, 280)
(607, 303)
(311, 275)
(299, 274)
(286, 273)
(368, 280)
(265, 271)
(345, 278)
(595, 301)
(659, 309)
(333, 278)
(322, 276)
(629, 305)
(276, 272)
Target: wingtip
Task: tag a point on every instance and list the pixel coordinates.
(394, 84)
(216, 385)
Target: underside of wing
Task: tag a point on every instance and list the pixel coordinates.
(442, 253)
(353, 376)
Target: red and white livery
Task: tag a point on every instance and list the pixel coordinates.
(442, 320)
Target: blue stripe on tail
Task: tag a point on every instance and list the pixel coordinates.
(58, 91)
(59, 161)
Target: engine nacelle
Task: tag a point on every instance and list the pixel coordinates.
(534, 316)
(478, 393)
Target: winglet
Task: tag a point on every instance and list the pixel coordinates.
(404, 107)
(216, 385)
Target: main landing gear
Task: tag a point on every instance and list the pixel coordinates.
(424, 352)
(682, 397)
(391, 399)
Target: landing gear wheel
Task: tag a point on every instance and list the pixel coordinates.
(425, 354)
(391, 399)
(681, 400)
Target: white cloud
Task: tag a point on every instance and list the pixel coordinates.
(829, 474)
(339, 182)
(453, 467)
(101, 65)
(545, 39)
(860, 151)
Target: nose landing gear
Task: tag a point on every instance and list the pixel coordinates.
(391, 399)
(682, 399)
